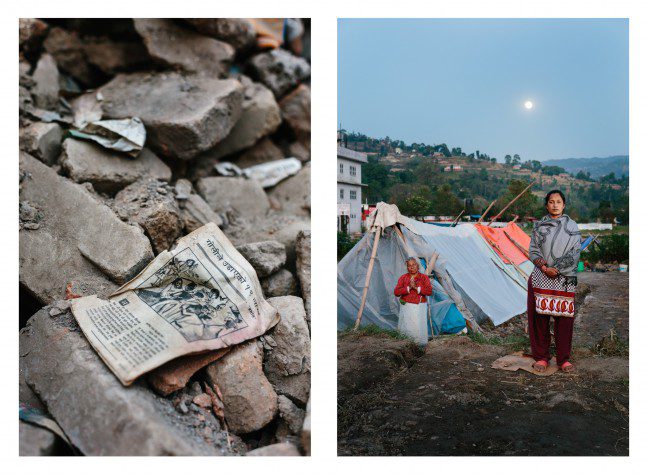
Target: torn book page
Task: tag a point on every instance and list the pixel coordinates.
(123, 135)
(203, 295)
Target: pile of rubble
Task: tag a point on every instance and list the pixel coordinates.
(96, 207)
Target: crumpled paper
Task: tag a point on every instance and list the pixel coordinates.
(123, 135)
(268, 174)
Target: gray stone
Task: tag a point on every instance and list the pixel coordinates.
(283, 449)
(183, 114)
(306, 430)
(280, 70)
(279, 284)
(158, 213)
(74, 220)
(261, 116)
(291, 414)
(67, 49)
(244, 196)
(287, 365)
(303, 251)
(107, 170)
(296, 112)
(35, 441)
(266, 256)
(42, 140)
(293, 194)
(195, 213)
(261, 152)
(112, 57)
(249, 400)
(182, 48)
(46, 83)
(239, 32)
(31, 33)
(298, 150)
(97, 413)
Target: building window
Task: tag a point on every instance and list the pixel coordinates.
(352, 194)
(352, 170)
(353, 216)
(341, 167)
(341, 192)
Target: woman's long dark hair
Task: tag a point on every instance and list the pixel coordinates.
(555, 192)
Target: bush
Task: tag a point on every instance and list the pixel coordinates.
(344, 244)
(614, 247)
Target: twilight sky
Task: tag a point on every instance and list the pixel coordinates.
(465, 82)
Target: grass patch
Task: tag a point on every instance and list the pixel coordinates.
(511, 342)
(612, 345)
(374, 330)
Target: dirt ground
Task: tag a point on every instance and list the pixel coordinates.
(394, 399)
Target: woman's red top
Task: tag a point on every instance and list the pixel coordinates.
(414, 294)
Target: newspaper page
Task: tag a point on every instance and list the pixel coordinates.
(202, 295)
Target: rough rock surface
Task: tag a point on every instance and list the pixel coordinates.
(196, 213)
(279, 70)
(42, 140)
(260, 117)
(296, 111)
(287, 364)
(35, 441)
(112, 57)
(46, 82)
(278, 284)
(298, 150)
(303, 251)
(283, 449)
(183, 114)
(249, 399)
(266, 257)
(239, 32)
(97, 413)
(293, 194)
(109, 171)
(261, 152)
(67, 50)
(182, 48)
(291, 414)
(31, 33)
(151, 204)
(306, 430)
(75, 225)
(240, 194)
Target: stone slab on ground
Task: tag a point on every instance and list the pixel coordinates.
(109, 171)
(35, 441)
(279, 284)
(293, 194)
(247, 197)
(42, 140)
(287, 364)
(97, 413)
(79, 238)
(183, 114)
(266, 256)
(249, 399)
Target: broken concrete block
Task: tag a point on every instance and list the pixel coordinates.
(97, 413)
(279, 284)
(239, 32)
(79, 238)
(280, 70)
(112, 57)
(46, 83)
(249, 400)
(291, 414)
(293, 194)
(183, 114)
(306, 430)
(67, 49)
(260, 117)
(181, 48)
(151, 204)
(296, 112)
(266, 257)
(283, 449)
(109, 171)
(196, 213)
(287, 365)
(175, 374)
(35, 441)
(42, 140)
(244, 196)
(261, 152)
(303, 251)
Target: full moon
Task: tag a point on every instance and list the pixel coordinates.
(528, 105)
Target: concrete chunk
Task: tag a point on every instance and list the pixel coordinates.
(42, 140)
(109, 171)
(46, 82)
(35, 441)
(283, 449)
(296, 111)
(238, 193)
(239, 32)
(74, 219)
(266, 256)
(97, 413)
(293, 194)
(280, 70)
(279, 284)
(183, 114)
(303, 251)
(182, 48)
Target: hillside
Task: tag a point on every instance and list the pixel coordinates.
(596, 166)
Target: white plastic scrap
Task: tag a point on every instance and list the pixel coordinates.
(268, 174)
(124, 135)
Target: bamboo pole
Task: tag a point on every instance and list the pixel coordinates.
(517, 268)
(454, 223)
(512, 201)
(507, 273)
(519, 246)
(486, 212)
(367, 279)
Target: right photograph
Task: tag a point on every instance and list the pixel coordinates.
(483, 237)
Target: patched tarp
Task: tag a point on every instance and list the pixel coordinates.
(503, 241)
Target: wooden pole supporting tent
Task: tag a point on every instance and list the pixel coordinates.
(368, 278)
(511, 202)
(456, 220)
(486, 212)
(499, 249)
(518, 245)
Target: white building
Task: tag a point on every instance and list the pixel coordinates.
(349, 188)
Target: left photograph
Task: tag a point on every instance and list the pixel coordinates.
(164, 236)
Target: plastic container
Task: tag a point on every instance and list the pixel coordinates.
(581, 267)
(623, 267)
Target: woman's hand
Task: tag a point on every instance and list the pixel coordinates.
(551, 272)
(412, 282)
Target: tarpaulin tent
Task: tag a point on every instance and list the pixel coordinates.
(487, 285)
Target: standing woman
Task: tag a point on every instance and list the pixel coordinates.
(413, 289)
(555, 250)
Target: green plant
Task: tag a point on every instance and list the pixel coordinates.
(374, 330)
(344, 244)
(611, 248)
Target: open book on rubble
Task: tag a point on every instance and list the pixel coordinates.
(202, 295)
